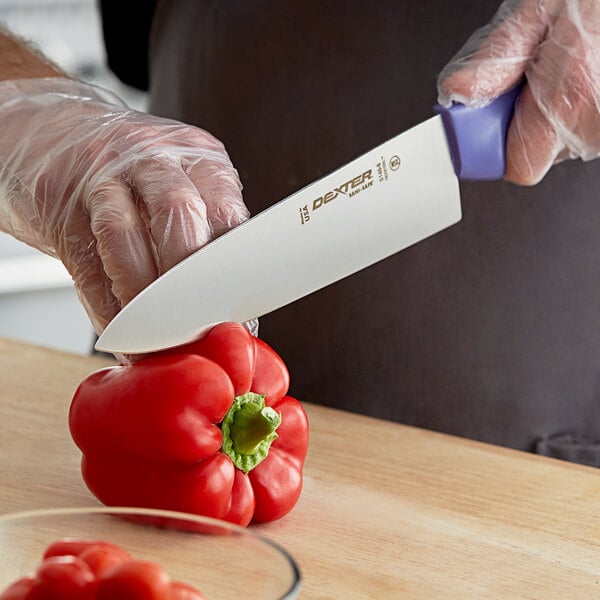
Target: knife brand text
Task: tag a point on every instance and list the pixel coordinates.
(349, 188)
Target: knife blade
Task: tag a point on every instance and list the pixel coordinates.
(386, 200)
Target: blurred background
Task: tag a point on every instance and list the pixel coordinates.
(38, 302)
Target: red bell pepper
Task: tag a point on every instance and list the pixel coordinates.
(204, 428)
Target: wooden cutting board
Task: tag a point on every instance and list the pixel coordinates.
(387, 511)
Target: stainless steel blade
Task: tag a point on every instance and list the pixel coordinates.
(384, 201)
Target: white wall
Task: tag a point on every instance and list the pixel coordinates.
(38, 302)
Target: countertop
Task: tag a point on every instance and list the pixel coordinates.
(387, 511)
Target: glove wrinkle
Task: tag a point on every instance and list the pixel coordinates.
(551, 46)
(118, 195)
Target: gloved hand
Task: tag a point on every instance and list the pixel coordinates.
(555, 45)
(119, 196)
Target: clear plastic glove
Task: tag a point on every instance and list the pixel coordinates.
(119, 196)
(555, 46)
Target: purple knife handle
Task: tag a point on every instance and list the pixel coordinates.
(477, 136)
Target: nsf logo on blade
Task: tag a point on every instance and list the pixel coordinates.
(394, 162)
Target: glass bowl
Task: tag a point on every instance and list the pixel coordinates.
(221, 560)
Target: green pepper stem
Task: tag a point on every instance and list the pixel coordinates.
(249, 430)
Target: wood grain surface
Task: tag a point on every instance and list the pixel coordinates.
(387, 511)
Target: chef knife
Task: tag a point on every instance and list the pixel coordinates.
(391, 197)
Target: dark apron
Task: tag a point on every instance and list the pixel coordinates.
(490, 329)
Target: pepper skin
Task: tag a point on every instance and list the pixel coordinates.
(77, 569)
(205, 428)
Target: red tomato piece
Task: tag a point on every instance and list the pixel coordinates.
(102, 571)
(75, 546)
(18, 590)
(101, 558)
(134, 580)
(69, 547)
(63, 578)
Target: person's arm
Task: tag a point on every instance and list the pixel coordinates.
(553, 47)
(19, 60)
(119, 196)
